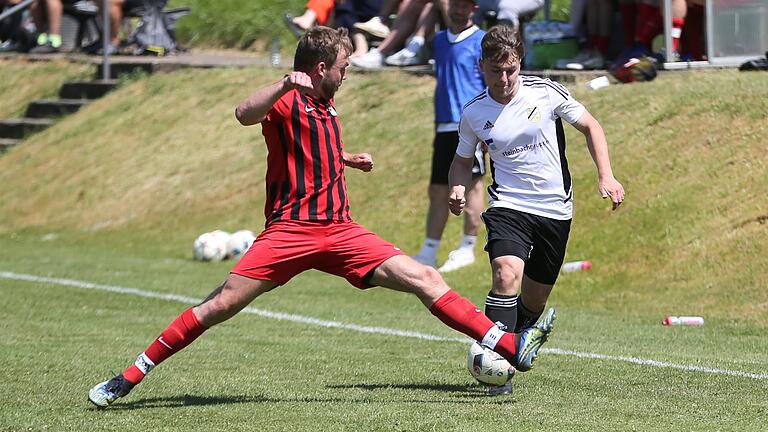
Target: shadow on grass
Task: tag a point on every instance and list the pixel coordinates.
(462, 393)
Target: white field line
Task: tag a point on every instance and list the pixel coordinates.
(365, 329)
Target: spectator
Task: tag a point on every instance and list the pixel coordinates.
(377, 26)
(47, 17)
(117, 9)
(642, 21)
(411, 54)
(456, 53)
(407, 18)
(599, 17)
(317, 12)
(350, 12)
(13, 36)
(511, 12)
(692, 38)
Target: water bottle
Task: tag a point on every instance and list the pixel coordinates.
(683, 321)
(274, 55)
(576, 266)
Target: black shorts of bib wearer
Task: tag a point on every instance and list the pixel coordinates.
(537, 240)
(443, 150)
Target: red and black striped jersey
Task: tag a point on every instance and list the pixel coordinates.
(305, 165)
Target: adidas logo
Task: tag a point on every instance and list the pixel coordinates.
(488, 125)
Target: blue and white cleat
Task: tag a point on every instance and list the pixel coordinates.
(532, 339)
(103, 394)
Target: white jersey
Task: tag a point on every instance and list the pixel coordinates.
(526, 144)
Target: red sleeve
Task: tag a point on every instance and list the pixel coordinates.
(282, 108)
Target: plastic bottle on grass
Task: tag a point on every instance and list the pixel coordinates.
(576, 266)
(683, 321)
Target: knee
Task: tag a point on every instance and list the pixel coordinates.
(506, 280)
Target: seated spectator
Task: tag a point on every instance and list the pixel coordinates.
(350, 12)
(413, 53)
(377, 26)
(13, 36)
(408, 16)
(47, 17)
(642, 22)
(599, 18)
(317, 12)
(117, 9)
(511, 12)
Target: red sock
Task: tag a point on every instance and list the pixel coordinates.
(180, 333)
(460, 314)
(677, 30)
(627, 11)
(650, 23)
(692, 38)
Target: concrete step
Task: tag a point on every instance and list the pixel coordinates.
(46, 108)
(86, 89)
(6, 143)
(20, 127)
(118, 69)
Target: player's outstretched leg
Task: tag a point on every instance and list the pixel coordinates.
(532, 339)
(223, 303)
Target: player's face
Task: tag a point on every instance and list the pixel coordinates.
(501, 78)
(460, 12)
(334, 75)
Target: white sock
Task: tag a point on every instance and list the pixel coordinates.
(429, 248)
(414, 44)
(468, 242)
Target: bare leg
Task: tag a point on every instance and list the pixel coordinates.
(535, 294)
(230, 298)
(55, 9)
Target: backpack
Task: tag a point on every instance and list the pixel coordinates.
(154, 35)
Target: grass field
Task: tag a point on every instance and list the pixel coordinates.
(111, 198)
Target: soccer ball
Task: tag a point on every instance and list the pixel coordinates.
(239, 242)
(210, 246)
(487, 366)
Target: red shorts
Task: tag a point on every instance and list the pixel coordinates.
(287, 248)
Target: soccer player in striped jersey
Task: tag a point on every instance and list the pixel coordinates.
(519, 118)
(308, 221)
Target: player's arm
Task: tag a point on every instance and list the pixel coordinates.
(459, 177)
(361, 161)
(608, 186)
(255, 107)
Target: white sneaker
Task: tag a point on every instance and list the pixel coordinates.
(373, 59)
(404, 57)
(457, 259)
(374, 27)
(427, 261)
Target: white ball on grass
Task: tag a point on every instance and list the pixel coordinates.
(487, 366)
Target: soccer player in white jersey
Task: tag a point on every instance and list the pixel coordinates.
(519, 118)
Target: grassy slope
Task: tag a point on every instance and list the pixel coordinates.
(164, 161)
(24, 82)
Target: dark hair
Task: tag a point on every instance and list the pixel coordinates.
(320, 44)
(501, 43)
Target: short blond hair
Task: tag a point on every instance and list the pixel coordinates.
(501, 43)
(320, 44)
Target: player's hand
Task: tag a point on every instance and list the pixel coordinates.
(297, 80)
(361, 161)
(457, 201)
(610, 187)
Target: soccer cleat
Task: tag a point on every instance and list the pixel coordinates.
(457, 259)
(532, 339)
(374, 27)
(103, 394)
(501, 390)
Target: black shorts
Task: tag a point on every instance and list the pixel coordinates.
(443, 150)
(537, 240)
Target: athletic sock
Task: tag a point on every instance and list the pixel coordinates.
(650, 25)
(180, 333)
(627, 11)
(468, 242)
(55, 40)
(42, 38)
(525, 317)
(429, 248)
(460, 314)
(677, 31)
(414, 44)
(502, 310)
